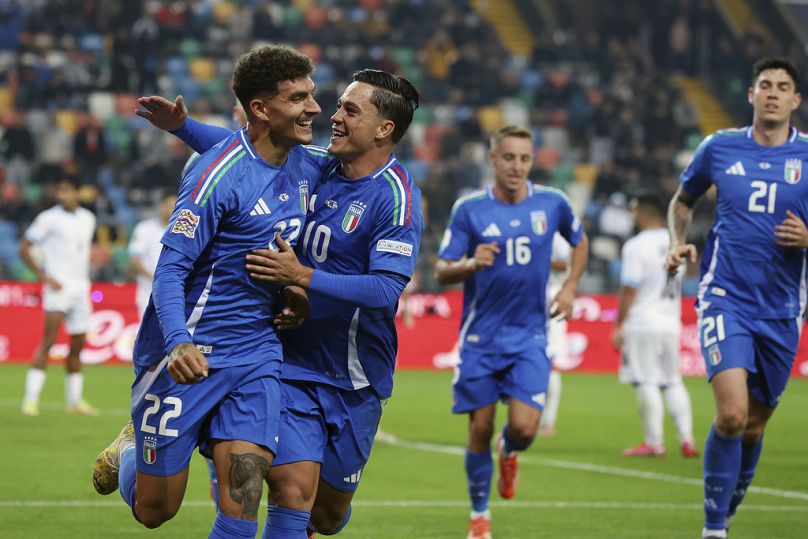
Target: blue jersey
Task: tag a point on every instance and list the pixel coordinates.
(355, 227)
(744, 270)
(504, 306)
(230, 202)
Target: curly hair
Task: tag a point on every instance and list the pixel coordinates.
(258, 72)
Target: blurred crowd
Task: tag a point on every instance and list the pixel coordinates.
(598, 91)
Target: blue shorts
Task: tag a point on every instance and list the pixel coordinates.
(329, 425)
(765, 348)
(481, 379)
(232, 403)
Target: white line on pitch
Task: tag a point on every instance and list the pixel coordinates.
(558, 504)
(390, 439)
(55, 406)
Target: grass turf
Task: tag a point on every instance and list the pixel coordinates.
(574, 485)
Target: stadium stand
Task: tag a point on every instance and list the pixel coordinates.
(610, 92)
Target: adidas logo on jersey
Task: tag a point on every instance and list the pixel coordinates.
(353, 478)
(736, 169)
(260, 208)
(491, 231)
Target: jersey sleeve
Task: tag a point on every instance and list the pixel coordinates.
(456, 240)
(39, 229)
(695, 179)
(398, 224)
(569, 226)
(201, 137)
(201, 204)
(631, 270)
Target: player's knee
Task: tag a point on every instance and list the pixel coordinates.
(328, 520)
(153, 515)
(753, 431)
(291, 494)
(523, 435)
(731, 422)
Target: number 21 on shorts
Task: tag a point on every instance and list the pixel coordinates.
(712, 330)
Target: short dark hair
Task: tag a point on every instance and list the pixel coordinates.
(777, 63)
(395, 98)
(651, 202)
(73, 180)
(510, 131)
(258, 72)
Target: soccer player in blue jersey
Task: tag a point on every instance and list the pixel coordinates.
(752, 292)
(207, 355)
(358, 251)
(499, 244)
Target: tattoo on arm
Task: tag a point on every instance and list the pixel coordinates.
(247, 473)
(680, 212)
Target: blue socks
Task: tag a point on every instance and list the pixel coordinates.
(750, 454)
(225, 527)
(127, 474)
(722, 462)
(283, 523)
(509, 444)
(479, 470)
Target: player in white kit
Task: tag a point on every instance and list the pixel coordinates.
(145, 247)
(647, 331)
(556, 336)
(65, 234)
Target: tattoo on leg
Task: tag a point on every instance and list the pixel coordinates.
(247, 473)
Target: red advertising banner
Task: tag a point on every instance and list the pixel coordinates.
(428, 343)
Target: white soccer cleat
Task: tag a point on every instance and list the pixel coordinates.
(713, 534)
(30, 408)
(83, 408)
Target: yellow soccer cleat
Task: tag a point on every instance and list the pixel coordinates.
(105, 469)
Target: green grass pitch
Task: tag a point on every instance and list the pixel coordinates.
(574, 485)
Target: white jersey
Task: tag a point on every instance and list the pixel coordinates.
(657, 306)
(145, 245)
(65, 238)
(557, 329)
(561, 252)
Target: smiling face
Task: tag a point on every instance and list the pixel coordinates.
(512, 158)
(289, 113)
(773, 97)
(357, 124)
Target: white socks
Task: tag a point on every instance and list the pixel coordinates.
(678, 403)
(652, 413)
(74, 385)
(550, 413)
(34, 380)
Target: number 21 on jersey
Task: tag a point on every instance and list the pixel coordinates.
(762, 198)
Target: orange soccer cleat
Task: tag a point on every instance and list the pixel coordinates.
(508, 471)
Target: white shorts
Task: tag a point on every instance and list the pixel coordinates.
(650, 359)
(74, 302)
(557, 340)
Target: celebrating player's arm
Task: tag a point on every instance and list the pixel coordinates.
(457, 271)
(373, 290)
(680, 213)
